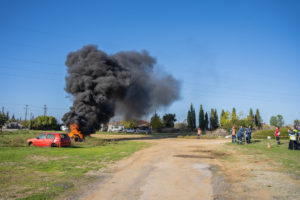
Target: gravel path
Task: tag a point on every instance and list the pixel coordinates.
(167, 170)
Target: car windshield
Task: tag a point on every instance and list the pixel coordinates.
(42, 136)
(50, 136)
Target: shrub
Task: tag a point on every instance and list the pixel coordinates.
(44, 123)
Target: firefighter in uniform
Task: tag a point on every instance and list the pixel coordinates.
(293, 133)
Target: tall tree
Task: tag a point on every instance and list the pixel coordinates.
(216, 117)
(296, 122)
(251, 118)
(212, 120)
(257, 119)
(155, 122)
(3, 119)
(191, 118)
(130, 123)
(222, 114)
(206, 121)
(7, 115)
(277, 121)
(234, 117)
(13, 119)
(194, 118)
(201, 118)
(168, 120)
(225, 118)
(280, 121)
(273, 121)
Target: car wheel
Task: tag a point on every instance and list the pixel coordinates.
(30, 144)
(53, 145)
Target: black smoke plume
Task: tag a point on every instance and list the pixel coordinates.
(121, 84)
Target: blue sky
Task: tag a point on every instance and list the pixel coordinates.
(225, 53)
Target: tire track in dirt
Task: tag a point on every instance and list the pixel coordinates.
(166, 170)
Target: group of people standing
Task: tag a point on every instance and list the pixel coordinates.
(243, 135)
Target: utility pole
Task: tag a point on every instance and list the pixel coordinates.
(26, 108)
(31, 116)
(3, 109)
(45, 110)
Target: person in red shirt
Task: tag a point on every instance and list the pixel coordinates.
(277, 134)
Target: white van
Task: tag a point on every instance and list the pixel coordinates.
(116, 128)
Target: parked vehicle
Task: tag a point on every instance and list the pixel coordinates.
(64, 128)
(144, 130)
(50, 140)
(116, 128)
(129, 130)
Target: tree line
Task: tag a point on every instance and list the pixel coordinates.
(38, 123)
(210, 121)
(232, 119)
(167, 121)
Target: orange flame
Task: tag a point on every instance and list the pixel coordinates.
(75, 132)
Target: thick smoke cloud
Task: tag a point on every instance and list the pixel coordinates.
(121, 84)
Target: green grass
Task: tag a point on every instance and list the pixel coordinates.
(18, 138)
(43, 173)
(153, 134)
(289, 159)
(263, 134)
(185, 135)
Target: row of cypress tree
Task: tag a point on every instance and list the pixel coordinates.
(227, 120)
(205, 122)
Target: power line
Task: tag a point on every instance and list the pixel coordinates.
(26, 69)
(29, 29)
(31, 105)
(27, 77)
(30, 61)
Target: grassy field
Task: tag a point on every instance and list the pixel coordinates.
(288, 159)
(263, 134)
(185, 135)
(165, 135)
(44, 173)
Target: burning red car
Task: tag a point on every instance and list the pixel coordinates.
(50, 140)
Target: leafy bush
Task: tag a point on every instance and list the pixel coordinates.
(44, 123)
(131, 123)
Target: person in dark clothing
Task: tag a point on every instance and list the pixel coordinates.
(241, 135)
(298, 134)
(293, 133)
(248, 134)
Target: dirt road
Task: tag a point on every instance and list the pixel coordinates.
(170, 169)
